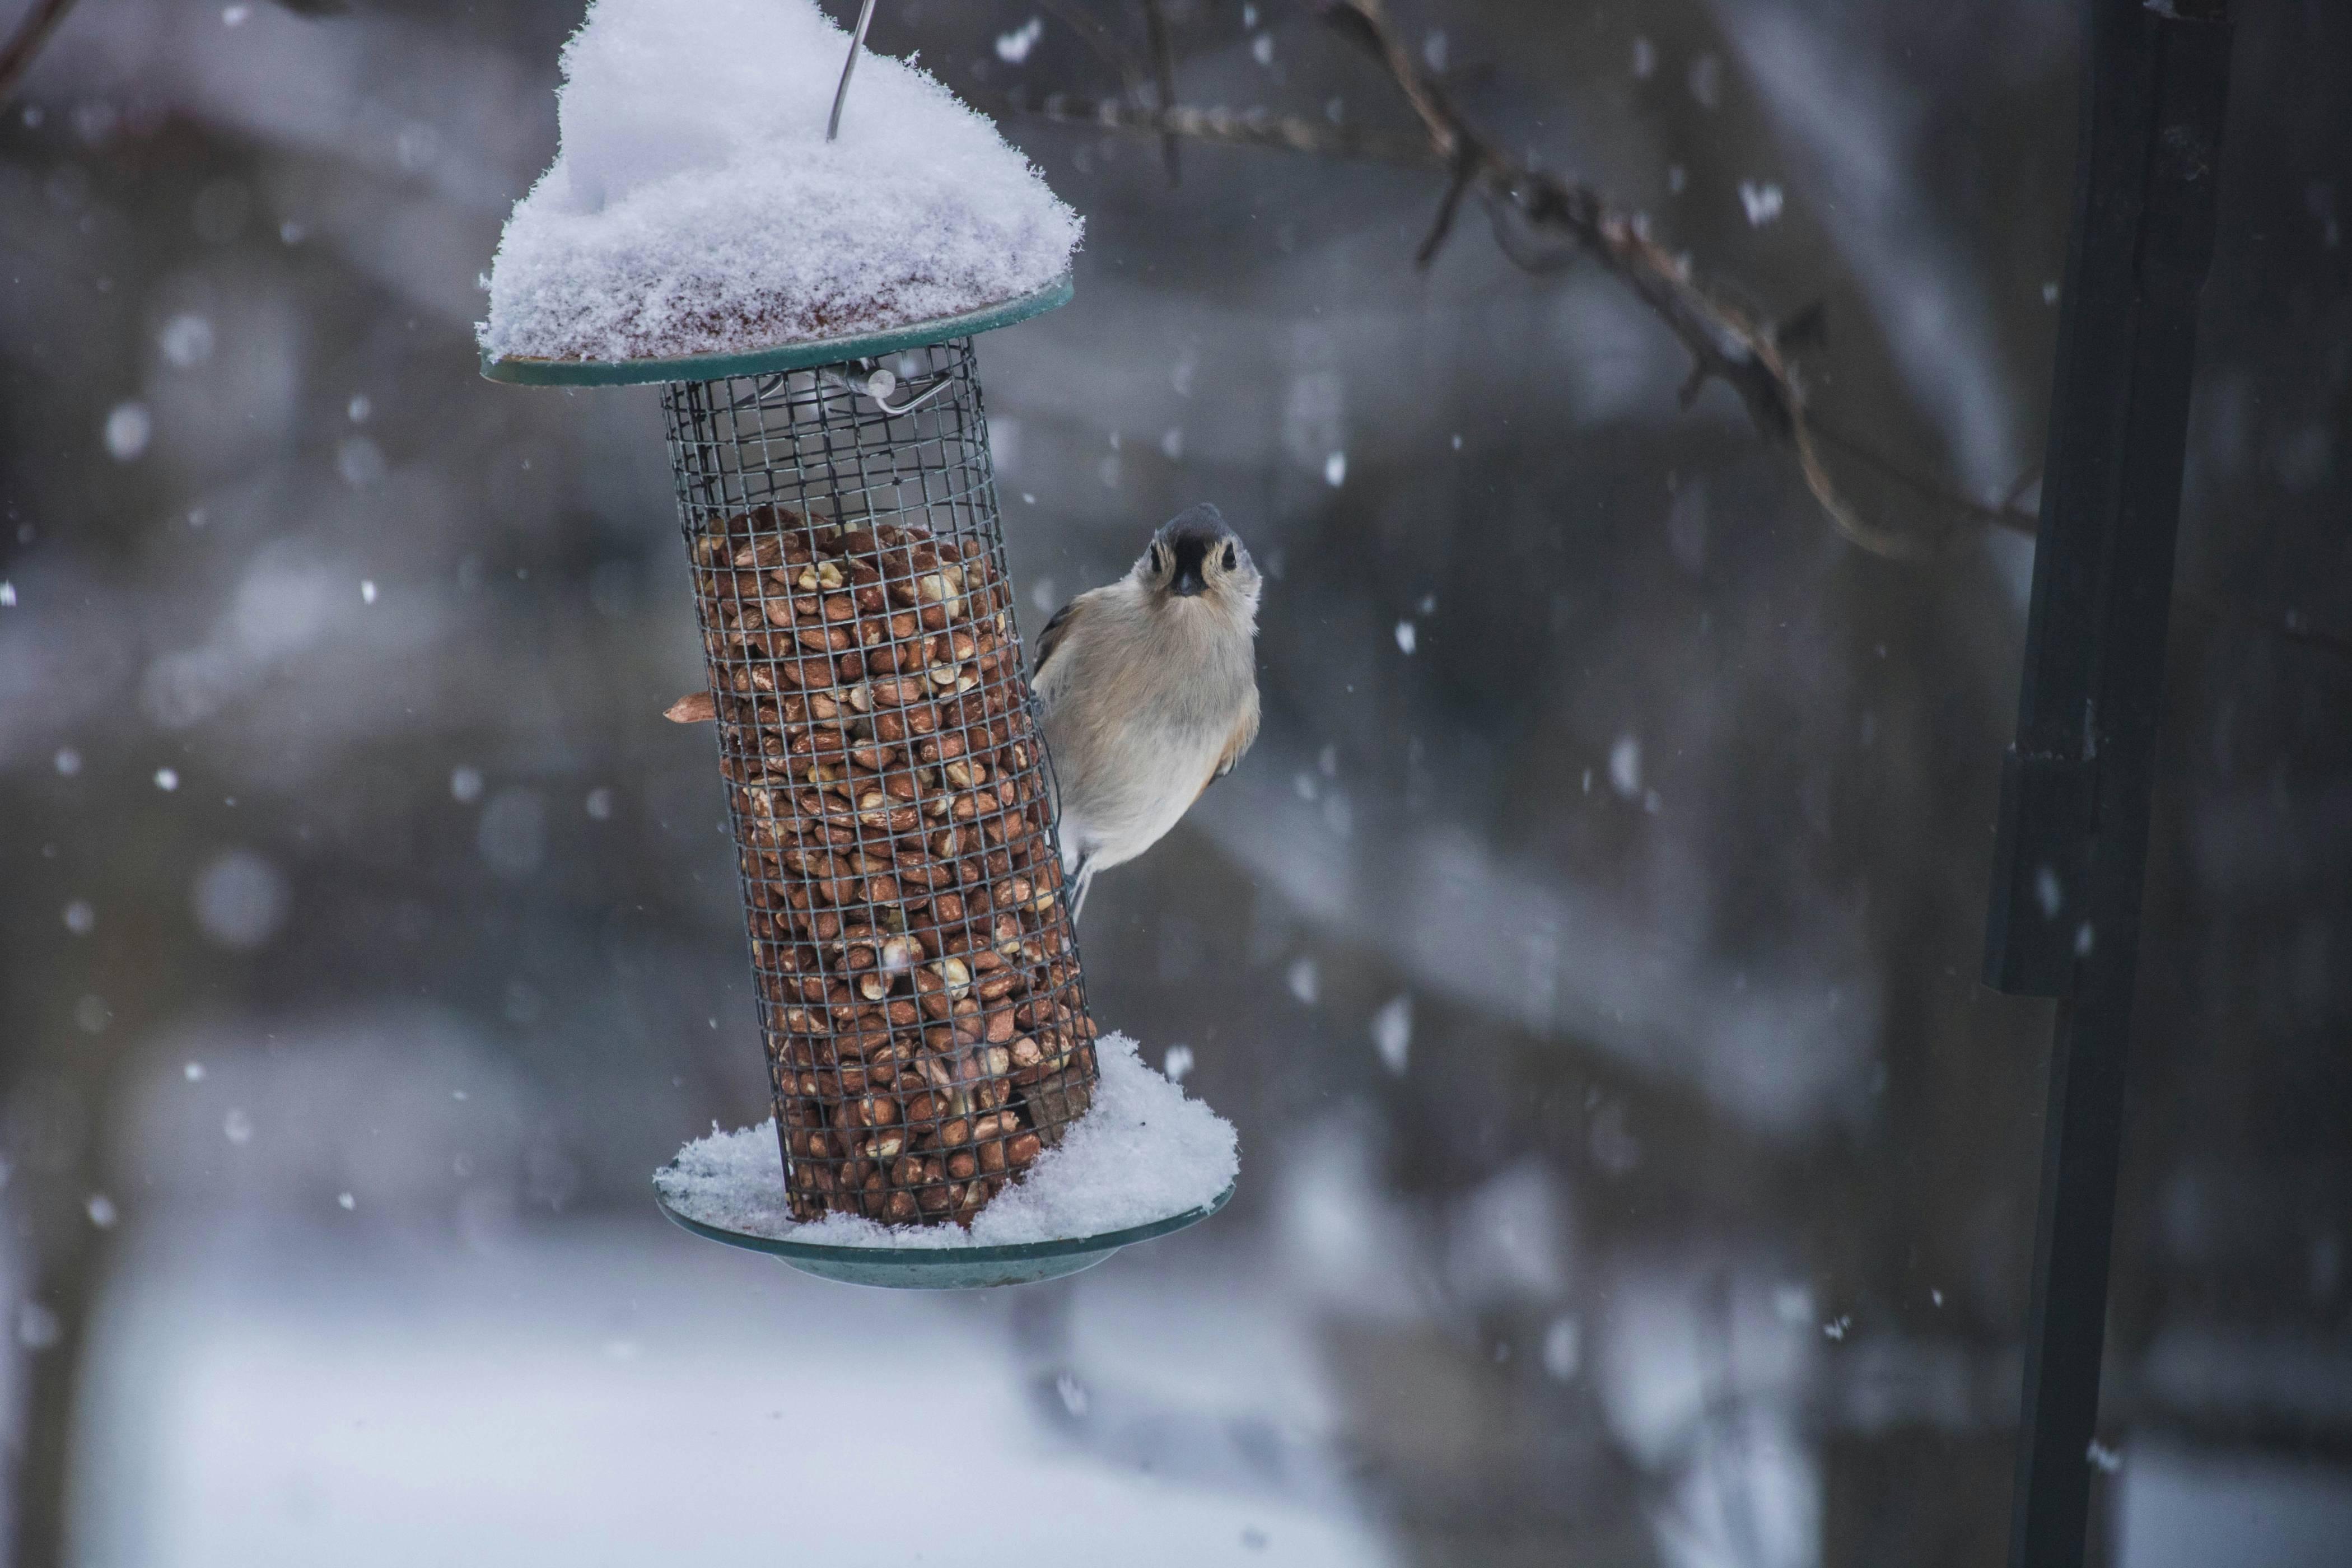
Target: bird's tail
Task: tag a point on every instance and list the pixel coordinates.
(1081, 880)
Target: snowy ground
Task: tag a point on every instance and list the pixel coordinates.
(614, 1391)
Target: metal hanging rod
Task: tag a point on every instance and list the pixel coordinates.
(841, 93)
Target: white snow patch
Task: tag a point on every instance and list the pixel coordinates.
(695, 206)
(1143, 1153)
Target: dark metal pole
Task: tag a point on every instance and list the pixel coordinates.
(2073, 846)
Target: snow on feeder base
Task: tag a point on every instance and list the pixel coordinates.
(1144, 1162)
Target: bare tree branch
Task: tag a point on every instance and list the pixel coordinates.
(17, 54)
(1724, 342)
(1542, 223)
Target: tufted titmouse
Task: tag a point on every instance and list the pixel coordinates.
(1149, 688)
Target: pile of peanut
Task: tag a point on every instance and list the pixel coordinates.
(925, 1018)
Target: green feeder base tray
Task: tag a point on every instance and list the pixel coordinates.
(948, 1268)
(780, 357)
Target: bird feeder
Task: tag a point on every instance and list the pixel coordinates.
(921, 995)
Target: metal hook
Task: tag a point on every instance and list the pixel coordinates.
(841, 93)
(877, 383)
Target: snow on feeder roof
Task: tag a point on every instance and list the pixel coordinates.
(695, 206)
(810, 308)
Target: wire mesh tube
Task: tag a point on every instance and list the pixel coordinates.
(921, 995)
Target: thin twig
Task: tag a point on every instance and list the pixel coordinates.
(17, 54)
(2008, 514)
(1163, 76)
(1233, 128)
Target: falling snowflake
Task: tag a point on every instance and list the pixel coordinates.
(36, 1327)
(1405, 636)
(1393, 1033)
(128, 428)
(1180, 1063)
(1305, 982)
(1562, 1348)
(1335, 469)
(1625, 766)
(1762, 202)
(1705, 80)
(187, 340)
(167, 779)
(1013, 48)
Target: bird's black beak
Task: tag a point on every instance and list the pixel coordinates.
(1192, 556)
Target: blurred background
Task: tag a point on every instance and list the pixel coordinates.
(1633, 1171)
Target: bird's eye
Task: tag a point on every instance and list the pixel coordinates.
(1229, 558)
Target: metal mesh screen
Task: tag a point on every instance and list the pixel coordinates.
(920, 996)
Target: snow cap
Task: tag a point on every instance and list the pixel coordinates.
(695, 206)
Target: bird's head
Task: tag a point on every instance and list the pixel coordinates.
(1195, 556)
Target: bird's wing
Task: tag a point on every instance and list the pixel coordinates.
(1235, 745)
(1049, 641)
